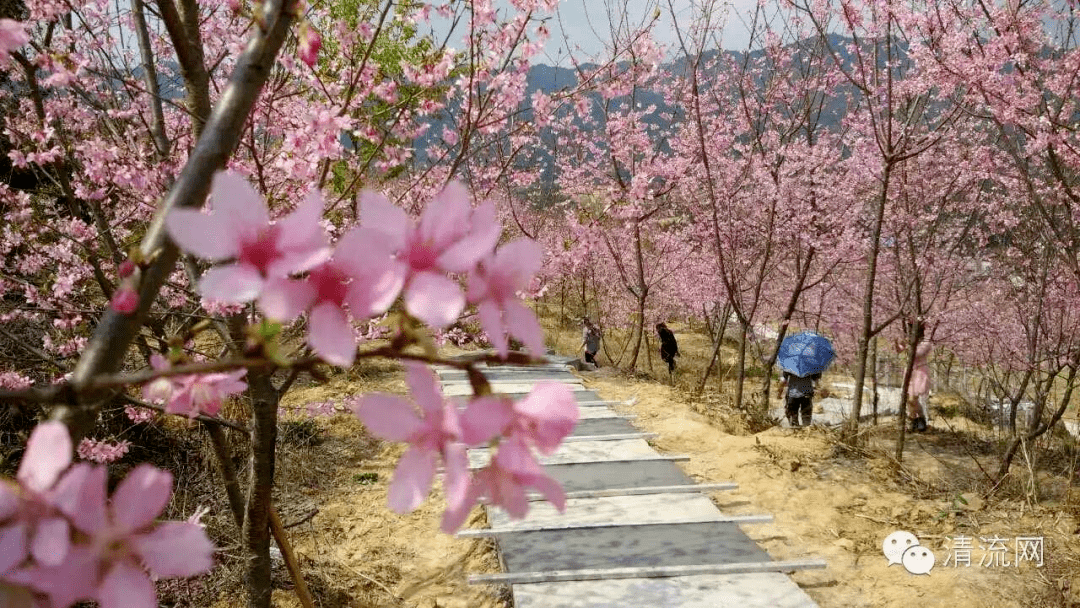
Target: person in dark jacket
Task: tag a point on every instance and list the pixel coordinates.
(669, 347)
(798, 393)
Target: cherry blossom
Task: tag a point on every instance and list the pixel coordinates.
(12, 36)
(433, 436)
(194, 394)
(309, 44)
(504, 483)
(238, 228)
(450, 237)
(125, 300)
(349, 284)
(494, 286)
(139, 415)
(41, 557)
(543, 418)
(102, 452)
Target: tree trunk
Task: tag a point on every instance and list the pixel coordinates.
(721, 327)
(1035, 429)
(642, 294)
(913, 343)
(744, 331)
(852, 428)
(874, 376)
(256, 532)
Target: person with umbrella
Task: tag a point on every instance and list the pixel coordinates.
(802, 357)
(799, 397)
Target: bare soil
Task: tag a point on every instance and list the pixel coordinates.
(829, 501)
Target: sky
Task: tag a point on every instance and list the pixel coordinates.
(585, 24)
(582, 27)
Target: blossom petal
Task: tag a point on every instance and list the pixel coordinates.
(141, 497)
(302, 241)
(384, 287)
(434, 299)
(491, 320)
(412, 480)
(549, 489)
(284, 299)
(72, 580)
(551, 412)
(522, 323)
(12, 546)
(483, 235)
(48, 453)
(231, 283)
(205, 236)
(485, 418)
(388, 221)
(331, 336)
(456, 479)
(301, 230)
(446, 218)
(521, 258)
(126, 586)
(376, 284)
(52, 539)
(455, 515)
(81, 495)
(387, 416)
(176, 549)
(239, 208)
(424, 387)
(359, 249)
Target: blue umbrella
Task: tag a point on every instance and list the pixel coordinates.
(805, 353)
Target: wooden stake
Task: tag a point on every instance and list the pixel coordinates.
(293, 566)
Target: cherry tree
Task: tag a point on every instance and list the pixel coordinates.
(107, 145)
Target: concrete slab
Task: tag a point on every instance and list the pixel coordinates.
(603, 426)
(627, 546)
(503, 375)
(582, 451)
(611, 510)
(634, 435)
(759, 590)
(514, 389)
(614, 475)
(589, 413)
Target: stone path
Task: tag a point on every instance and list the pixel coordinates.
(637, 531)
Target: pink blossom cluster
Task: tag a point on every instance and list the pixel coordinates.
(64, 540)
(102, 452)
(192, 394)
(14, 380)
(12, 36)
(139, 415)
(440, 433)
(316, 409)
(289, 268)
